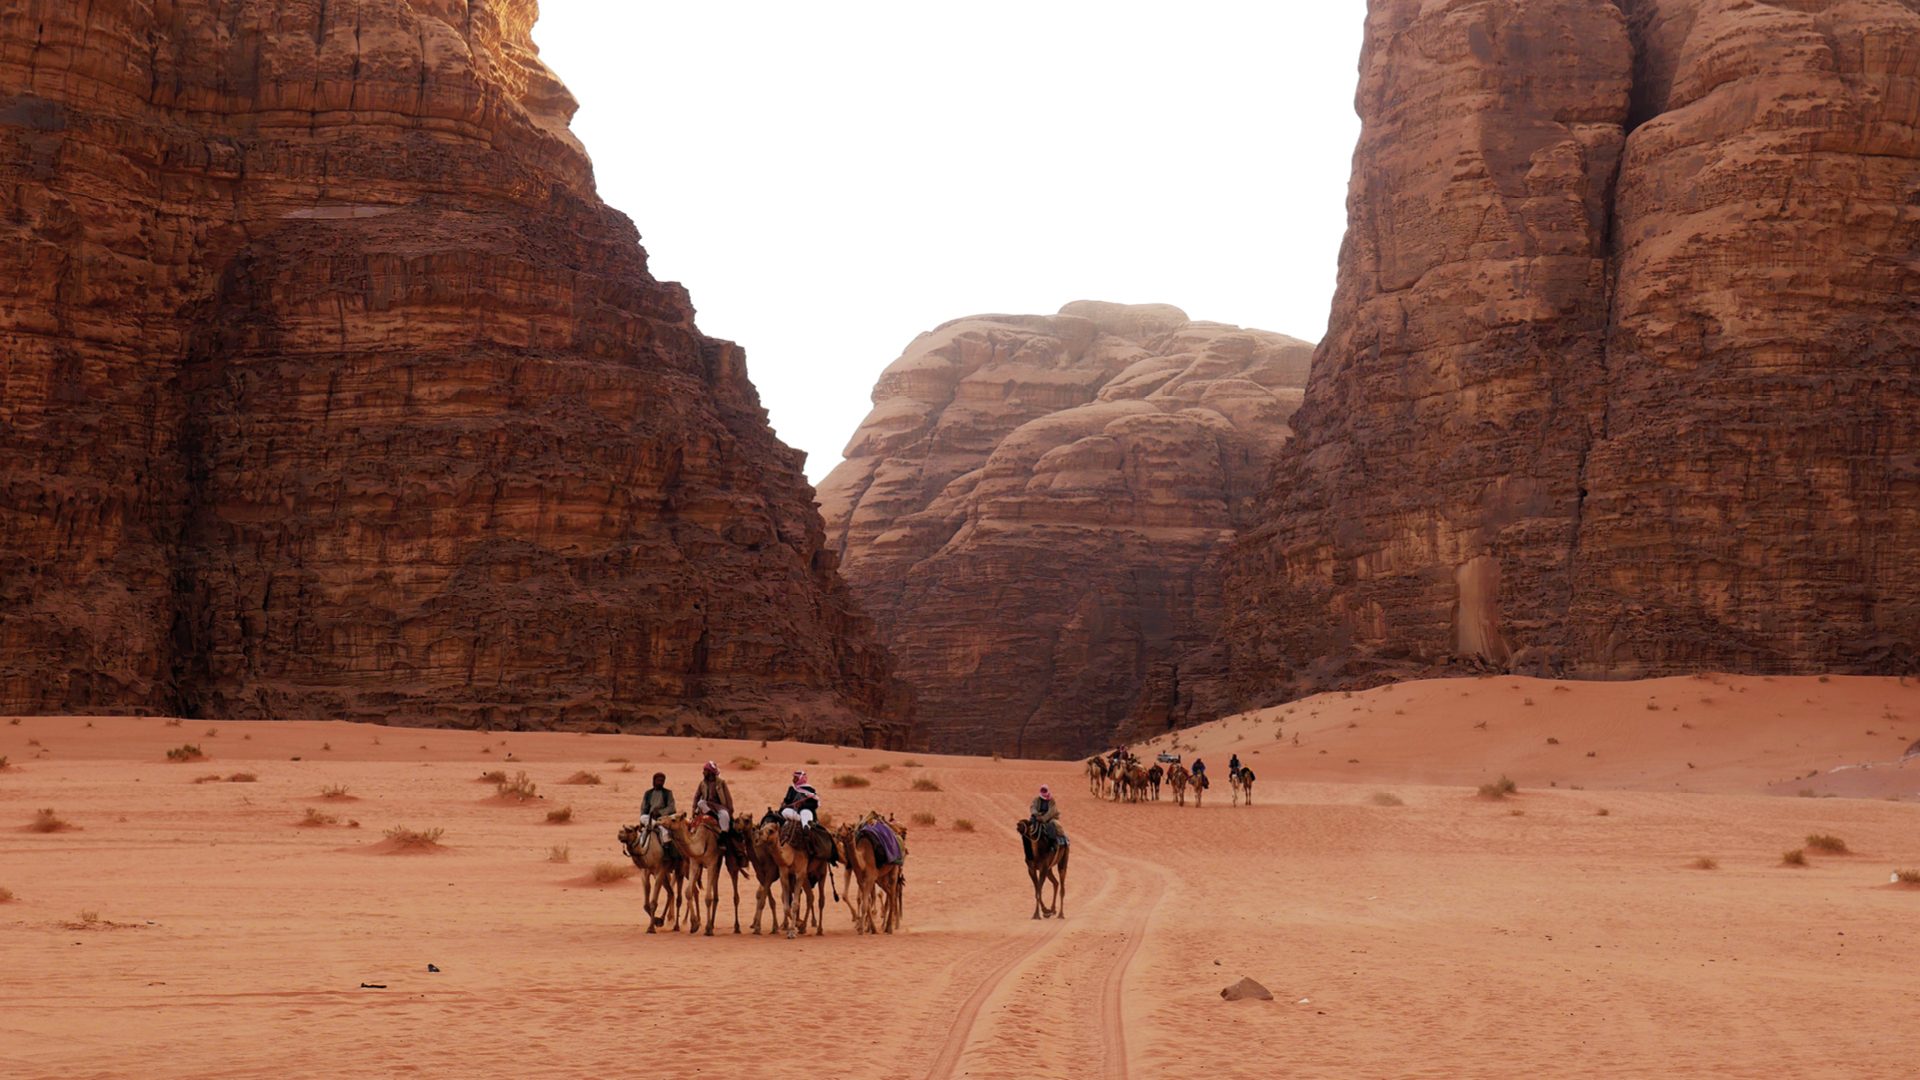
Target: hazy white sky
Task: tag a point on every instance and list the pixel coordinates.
(831, 179)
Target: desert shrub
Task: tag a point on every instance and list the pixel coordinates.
(210, 778)
(1826, 843)
(188, 752)
(627, 767)
(415, 838)
(1387, 798)
(1907, 877)
(618, 761)
(850, 780)
(1499, 789)
(748, 764)
(494, 777)
(48, 821)
(560, 853)
(519, 788)
(881, 767)
(1653, 706)
(607, 873)
(1705, 863)
(924, 784)
(909, 764)
(1602, 812)
(922, 818)
(6, 896)
(1551, 741)
(813, 761)
(89, 918)
(996, 755)
(243, 778)
(315, 817)
(583, 777)
(175, 722)
(1796, 857)
(326, 746)
(963, 824)
(334, 791)
(212, 733)
(560, 816)
(3, 763)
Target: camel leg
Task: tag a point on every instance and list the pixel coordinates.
(1060, 888)
(820, 911)
(789, 887)
(1034, 873)
(713, 897)
(646, 899)
(735, 875)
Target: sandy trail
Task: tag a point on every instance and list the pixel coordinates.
(1447, 936)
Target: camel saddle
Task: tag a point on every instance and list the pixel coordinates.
(817, 842)
(705, 821)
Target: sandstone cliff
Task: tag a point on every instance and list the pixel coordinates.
(330, 388)
(1036, 510)
(1623, 374)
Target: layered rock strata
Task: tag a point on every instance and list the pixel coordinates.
(1623, 374)
(1036, 509)
(331, 389)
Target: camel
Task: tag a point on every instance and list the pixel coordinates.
(1153, 781)
(861, 860)
(766, 872)
(1096, 777)
(1200, 785)
(801, 873)
(1242, 781)
(1046, 862)
(1136, 783)
(1178, 776)
(699, 841)
(656, 873)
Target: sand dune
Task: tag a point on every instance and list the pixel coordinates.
(194, 929)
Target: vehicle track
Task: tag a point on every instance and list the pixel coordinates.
(1142, 901)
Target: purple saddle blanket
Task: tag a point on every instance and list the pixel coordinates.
(885, 844)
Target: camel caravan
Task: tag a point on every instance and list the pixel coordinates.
(1120, 776)
(680, 858)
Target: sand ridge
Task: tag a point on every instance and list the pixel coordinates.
(1448, 936)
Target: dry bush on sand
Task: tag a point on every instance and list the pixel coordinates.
(924, 784)
(560, 816)
(210, 778)
(6, 896)
(850, 780)
(909, 764)
(559, 853)
(583, 777)
(1705, 863)
(1387, 798)
(1826, 844)
(1796, 857)
(175, 722)
(1499, 789)
(243, 778)
(334, 791)
(747, 764)
(48, 821)
(963, 824)
(1602, 812)
(1907, 877)
(921, 817)
(881, 767)
(3, 763)
(414, 838)
(607, 873)
(813, 761)
(316, 818)
(188, 752)
(519, 789)
(494, 777)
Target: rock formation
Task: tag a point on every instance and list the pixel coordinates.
(329, 388)
(1623, 374)
(1036, 510)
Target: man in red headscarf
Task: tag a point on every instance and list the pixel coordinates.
(1045, 814)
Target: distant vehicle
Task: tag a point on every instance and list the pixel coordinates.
(1167, 759)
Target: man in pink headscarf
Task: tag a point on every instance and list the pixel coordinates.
(713, 796)
(801, 803)
(1045, 814)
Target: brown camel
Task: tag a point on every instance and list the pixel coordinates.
(1136, 783)
(1178, 777)
(1096, 777)
(1154, 776)
(1200, 785)
(766, 872)
(1242, 781)
(861, 860)
(699, 841)
(798, 876)
(1046, 861)
(657, 873)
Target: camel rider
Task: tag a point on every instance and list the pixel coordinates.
(1199, 770)
(656, 806)
(1233, 767)
(1045, 815)
(713, 797)
(801, 803)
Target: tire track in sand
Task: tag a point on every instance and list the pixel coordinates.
(1112, 1048)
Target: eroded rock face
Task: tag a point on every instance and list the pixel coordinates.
(332, 389)
(1036, 510)
(1623, 374)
